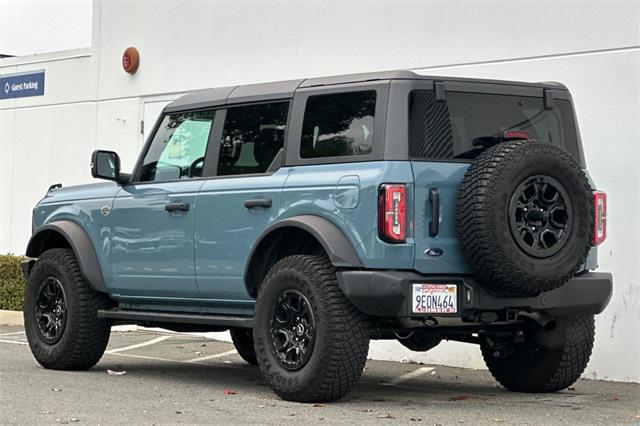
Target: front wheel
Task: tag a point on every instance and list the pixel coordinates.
(311, 342)
(547, 361)
(242, 339)
(60, 314)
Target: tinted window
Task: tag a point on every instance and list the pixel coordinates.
(445, 130)
(338, 124)
(178, 147)
(430, 132)
(252, 137)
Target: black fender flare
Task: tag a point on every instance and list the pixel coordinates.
(80, 244)
(334, 242)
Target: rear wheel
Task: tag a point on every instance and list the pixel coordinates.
(547, 361)
(60, 314)
(311, 342)
(243, 341)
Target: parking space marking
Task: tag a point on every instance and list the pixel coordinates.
(177, 361)
(119, 352)
(139, 345)
(15, 342)
(412, 375)
(220, 355)
(152, 358)
(11, 334)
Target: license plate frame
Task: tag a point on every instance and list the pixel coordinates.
(434, 298)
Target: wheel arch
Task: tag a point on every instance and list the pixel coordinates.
(327, 237)
(66, 233)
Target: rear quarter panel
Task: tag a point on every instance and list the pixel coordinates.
(347, 195)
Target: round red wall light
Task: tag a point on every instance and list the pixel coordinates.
(130, 60)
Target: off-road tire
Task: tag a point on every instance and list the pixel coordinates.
(342, 332)
(243, 341)
(548, 361)
(483, 221)
(85, 336)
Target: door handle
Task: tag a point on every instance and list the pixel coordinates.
(172, 207)
(434, 200)
(258, 202)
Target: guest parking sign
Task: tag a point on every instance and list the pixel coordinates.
(22, 85)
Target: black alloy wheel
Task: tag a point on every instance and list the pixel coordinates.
(540, 216)
(51, 310)
(292, 330)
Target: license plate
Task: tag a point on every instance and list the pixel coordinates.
(435, 298)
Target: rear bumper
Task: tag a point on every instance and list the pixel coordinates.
(389, 294)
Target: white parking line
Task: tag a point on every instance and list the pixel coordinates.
(15, 342)
(117, 352)
(139, 345)
(176, 361)
(11, 334)
(152, 358)
(412, 375)
(220, 355)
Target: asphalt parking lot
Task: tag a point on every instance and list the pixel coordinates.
(173, 378)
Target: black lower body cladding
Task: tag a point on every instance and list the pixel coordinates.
(524, 217)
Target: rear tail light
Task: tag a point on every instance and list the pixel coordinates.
(393, 213)
(600, 217)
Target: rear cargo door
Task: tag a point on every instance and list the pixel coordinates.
(444, 121)
(436, 187)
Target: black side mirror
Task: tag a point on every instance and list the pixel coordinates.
(106, 165)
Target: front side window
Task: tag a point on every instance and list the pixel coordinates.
(338, 124)
(252, 137)
(178, 147)
(447, 130)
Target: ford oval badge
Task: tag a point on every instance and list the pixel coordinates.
(433, 252)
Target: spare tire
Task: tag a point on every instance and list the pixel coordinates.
(524, 217)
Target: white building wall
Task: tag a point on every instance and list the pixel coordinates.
(90, 102)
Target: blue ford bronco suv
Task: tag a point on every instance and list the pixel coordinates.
(310, 216)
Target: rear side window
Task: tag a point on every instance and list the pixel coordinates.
(446, 130)
(338, 125)
(252, 137)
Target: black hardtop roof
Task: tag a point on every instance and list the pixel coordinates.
(285, 89)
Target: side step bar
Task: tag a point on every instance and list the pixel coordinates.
(176, 318)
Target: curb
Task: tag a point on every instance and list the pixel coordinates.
(13, 318)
